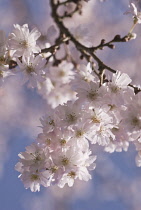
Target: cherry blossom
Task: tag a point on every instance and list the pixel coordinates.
(32, 68)
(22, 41)
(134, 11)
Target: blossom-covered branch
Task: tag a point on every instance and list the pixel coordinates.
(83, 106)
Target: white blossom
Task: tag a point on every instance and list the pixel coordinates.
(134, 11)
(118, 90)
(33, 180)
(23, 41)
(132, 115)
(63, 73)
(32, 68)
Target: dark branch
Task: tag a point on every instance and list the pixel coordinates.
(85, 51)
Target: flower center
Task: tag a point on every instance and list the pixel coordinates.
(79, 133)
(48, 141)
(29, 69)
(51, 122)
(63, 142)
(95, 119)
(72, 174)
(24, 44)
(92, 95)
(2, 60)
(54, 169)
(36, 157)
(65, 161)
(61, 73)
(34, 177)
(1, 73)
(71, 118)
(135, 121)
(114, 89)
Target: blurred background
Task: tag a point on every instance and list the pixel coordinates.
(116, 182)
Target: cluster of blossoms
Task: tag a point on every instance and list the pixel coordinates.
(84, 111)
(21, 48)
(56, 88)
(109, 116)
